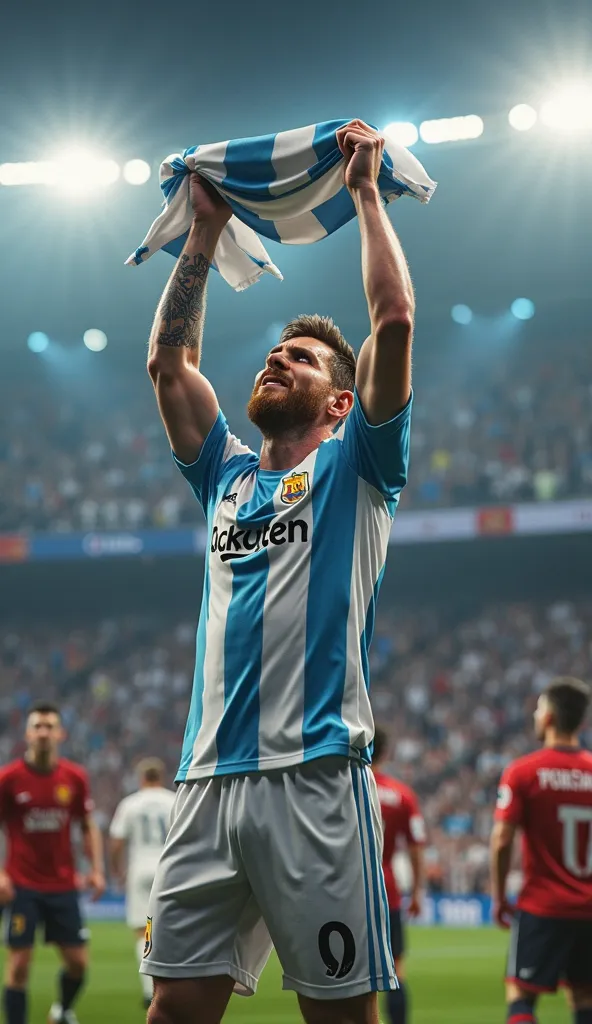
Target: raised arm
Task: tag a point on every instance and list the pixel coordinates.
(186, 399)
(383, 376)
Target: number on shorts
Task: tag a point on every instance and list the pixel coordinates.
(571, 817)
(335, 969)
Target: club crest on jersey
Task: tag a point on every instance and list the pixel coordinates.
(148, 937)
(63, 795)
(294, 487)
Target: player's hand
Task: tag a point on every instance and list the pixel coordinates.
(6, 888)
(362, 148)
(414, 907)
(503, 913)
(95, 881)
(208, 205)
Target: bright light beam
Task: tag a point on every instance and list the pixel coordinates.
(95, 340)
(522, 117)
(452, 129)
(570, 109)
(403, 132)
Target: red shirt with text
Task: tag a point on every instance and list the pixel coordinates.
(401, 819)
(37, 810)
(548, 794)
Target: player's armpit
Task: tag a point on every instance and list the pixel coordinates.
(186, 400)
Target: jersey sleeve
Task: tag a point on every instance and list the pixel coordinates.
(120, 825)
(219, 449)
(83, 803)
(415, 833)
(510, 801)
(378, 454)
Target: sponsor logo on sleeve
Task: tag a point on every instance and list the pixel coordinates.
(148, 937)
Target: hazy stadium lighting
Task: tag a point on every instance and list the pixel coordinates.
(403, 132)
(78, 171)
(522, 309)
(95, 340)
(452, 129)
(570, 110)
(74, 172)
(136, 172)
(37, 341)
(522, 117)
(461, 314)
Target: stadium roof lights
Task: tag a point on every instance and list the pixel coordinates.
(570, 109)
(79, 171)
(95, 340)
(451, 129)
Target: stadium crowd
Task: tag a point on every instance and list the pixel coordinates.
(521, 431)
(455, 693)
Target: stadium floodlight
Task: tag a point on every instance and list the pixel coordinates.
(95, 340)
(461, 314)
(522, 117)
(570, 109)
(522, 309)
(37, 341)
(136, 172)
(452, 129)
(403, 132)
(79, 171)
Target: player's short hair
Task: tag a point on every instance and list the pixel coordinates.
(569, 699)
(44, 707)
(380, 744)
(323, 328)
(151, 769)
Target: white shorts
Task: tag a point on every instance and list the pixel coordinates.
(137, 897)
(289, 857)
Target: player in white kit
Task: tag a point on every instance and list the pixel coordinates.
(139, 827)
(276, 831)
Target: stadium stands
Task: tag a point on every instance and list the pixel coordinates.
(520, 432)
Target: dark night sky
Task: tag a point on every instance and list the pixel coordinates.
(512, 215)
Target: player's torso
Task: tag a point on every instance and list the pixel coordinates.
(292, 570)
(558, 833)
(39, 825)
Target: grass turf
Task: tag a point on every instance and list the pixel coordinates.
(454, 978)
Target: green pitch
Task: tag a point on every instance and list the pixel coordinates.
(454, 978)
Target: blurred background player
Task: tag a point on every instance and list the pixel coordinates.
(548, 795)
(41, 794)
(403, 824)
(141, 823)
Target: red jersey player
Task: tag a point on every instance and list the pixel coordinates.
(40, 796)
(402, 821)
(548, 795)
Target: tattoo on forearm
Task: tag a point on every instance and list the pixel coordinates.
(183, 304)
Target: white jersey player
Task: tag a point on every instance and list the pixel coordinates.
(276, 832)
(140, 825)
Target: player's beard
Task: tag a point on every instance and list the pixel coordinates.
(287, 411)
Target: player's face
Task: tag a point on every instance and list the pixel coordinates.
(542, 717)
(294, 390)
(44, 732)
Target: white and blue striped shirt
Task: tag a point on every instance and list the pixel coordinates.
(294, 563)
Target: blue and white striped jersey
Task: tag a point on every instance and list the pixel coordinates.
(293, 566)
